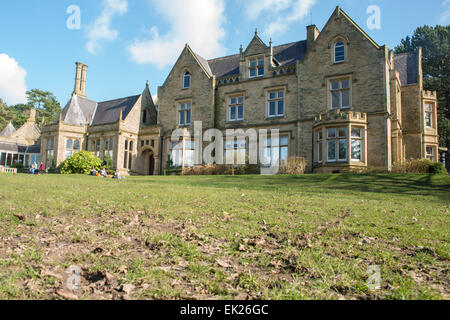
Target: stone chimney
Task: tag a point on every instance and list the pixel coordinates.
(311, 34)
(80, 80)
(32, 117)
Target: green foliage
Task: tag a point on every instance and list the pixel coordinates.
(437, 168)
(435, 43)
(80, 163)
(44, 102)
(422, 166)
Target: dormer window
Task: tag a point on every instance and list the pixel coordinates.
(187, 80)
(339, 52)
(256, 68)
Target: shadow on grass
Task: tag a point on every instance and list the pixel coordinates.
(422, 185)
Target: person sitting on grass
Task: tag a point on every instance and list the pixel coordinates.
(117, 175)
(103, 173)
(33, 168)
(42, 168)
(93, 172)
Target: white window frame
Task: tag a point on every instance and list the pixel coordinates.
(360, 139)
(335, 53)
(429, 111)
(430, 156)
(340, 90)
(256, 64)
(239, 102)
(183, 109)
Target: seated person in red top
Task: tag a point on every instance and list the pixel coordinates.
(42, 168)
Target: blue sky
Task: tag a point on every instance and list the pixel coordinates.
(127, 42)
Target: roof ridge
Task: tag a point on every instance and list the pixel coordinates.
(134, 96)
(237, 54)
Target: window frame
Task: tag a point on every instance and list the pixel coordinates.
(430, 156)
(335, 47)
(276, 100)
(236, 106)
(430, 113)
(187, 75)
(340, 91)
(256, 67)
(185, 111)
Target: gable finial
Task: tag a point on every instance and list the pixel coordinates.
(147, 84)
(256, 31)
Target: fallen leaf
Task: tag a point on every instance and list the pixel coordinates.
(67, 295)
(223, 264)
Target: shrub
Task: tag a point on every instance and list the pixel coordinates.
(437, 168)
(294, 165)
(422, 166)
(80, 163)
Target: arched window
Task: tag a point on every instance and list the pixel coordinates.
(187, 80)
(339, 52)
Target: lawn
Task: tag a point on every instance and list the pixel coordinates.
(253, 237)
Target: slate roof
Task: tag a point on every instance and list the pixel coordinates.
(109, 111)
(78, 111)
(406, 65)
(285, 54)
(205, 64)
(8, 131)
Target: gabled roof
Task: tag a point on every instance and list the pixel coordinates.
(109, 111)
(78, 111)
(406, 65)
(285, 54)
(8, 131)
(256, 46)
(204, 64)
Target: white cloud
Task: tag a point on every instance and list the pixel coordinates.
(282, 12)
(445, 15)
(197, 22)
(101, 30)
(12, 81)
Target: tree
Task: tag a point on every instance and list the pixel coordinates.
(44, 102)
(435, 43)
(46, 105)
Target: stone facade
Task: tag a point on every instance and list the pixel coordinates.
(382, 122)
(339, 100)
(21, 145)
(121, 132)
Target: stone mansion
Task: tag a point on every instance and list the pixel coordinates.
(339, 99)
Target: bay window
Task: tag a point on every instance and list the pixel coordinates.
(72, 147)
(429, 111)
(356, 144)
(179, 157)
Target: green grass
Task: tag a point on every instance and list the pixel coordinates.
(257, 237)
